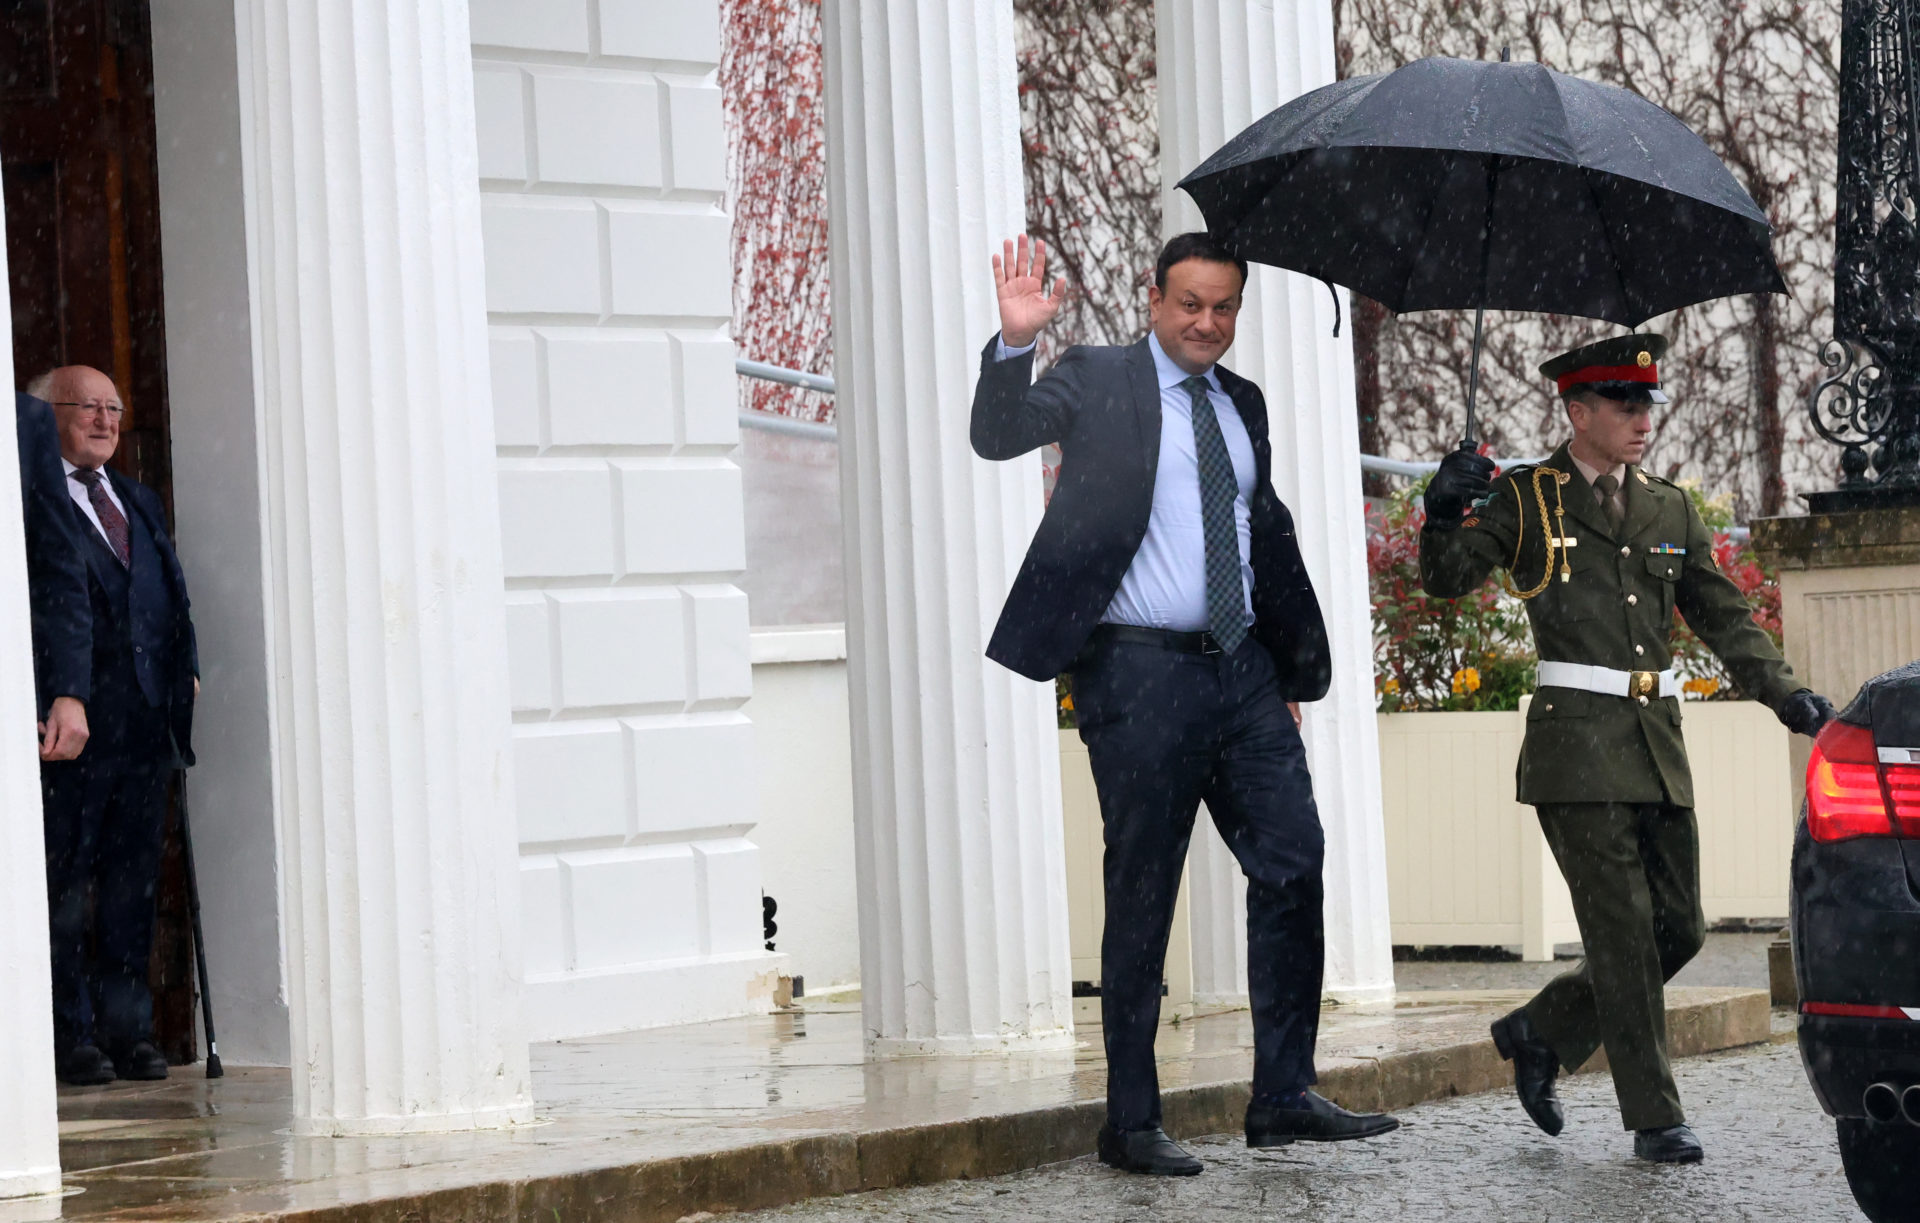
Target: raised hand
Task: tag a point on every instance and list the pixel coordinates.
(1020, 280)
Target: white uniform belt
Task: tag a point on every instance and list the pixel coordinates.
(1606, 680)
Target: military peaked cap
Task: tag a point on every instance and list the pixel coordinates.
(1625, 367)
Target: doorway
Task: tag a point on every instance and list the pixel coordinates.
(77, 156)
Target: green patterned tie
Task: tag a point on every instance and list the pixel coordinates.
(1226, 594)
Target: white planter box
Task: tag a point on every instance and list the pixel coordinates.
(1467, 865)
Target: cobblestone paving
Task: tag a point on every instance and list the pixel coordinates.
(1770, 1156)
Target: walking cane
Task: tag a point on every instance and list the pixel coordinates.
(199, 940)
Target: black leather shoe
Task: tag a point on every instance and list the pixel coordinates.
(83, 1066)
(1320, 1121)
(141, 1061)
(1147, 1151)
(1672, 1144)
(1534, 1068)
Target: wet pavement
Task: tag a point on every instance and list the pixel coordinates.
(751, 1112)
(1725, 959)
(1770, 1156)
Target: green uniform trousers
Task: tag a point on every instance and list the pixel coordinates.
(1634, 872)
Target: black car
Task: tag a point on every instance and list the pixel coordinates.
(1856, 939)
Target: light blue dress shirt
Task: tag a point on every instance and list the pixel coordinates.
(1166, 586)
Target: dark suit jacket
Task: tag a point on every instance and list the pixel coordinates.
(144, 653)
(1103, 406)
(56, 574)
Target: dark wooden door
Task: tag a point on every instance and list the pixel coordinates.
(83, 218)
(83, 266)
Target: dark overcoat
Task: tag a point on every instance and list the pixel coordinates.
(145, 656)
(61, 614)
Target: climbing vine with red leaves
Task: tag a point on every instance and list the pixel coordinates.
(771, 82)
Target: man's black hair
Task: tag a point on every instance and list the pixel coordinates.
(1182, 247)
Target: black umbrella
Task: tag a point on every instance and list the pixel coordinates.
(1452, 183)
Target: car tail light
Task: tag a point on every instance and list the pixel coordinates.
(1903, 789)
(1854, 1010)
(1845, 798)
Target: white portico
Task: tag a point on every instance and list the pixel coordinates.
(446, 291)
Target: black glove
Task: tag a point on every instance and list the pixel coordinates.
(1806, 711)
(1464, 477)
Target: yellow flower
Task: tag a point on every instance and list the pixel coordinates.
(1391, 686)
(1702, 687)
(1465, 680)
(1066, 702)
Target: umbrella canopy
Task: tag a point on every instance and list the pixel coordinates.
(1456, 183)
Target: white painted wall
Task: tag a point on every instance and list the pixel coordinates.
(219, 517)
(803, 786)
(603, 173)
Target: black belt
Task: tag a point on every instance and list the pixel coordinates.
(1166, 639)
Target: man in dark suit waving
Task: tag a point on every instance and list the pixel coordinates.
(1166, 577)
(105, 811)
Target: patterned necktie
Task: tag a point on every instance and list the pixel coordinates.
(111, 519)
(1226, 595)
(1604, 487)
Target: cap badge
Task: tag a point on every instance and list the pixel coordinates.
(1644, 359)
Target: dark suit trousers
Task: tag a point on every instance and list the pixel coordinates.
(1165, 730)
(104, 815)
(1634, 872)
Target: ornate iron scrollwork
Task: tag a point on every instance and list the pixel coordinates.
(1846, 411)
(1869, 403)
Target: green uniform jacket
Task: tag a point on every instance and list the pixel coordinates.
(1615, 610)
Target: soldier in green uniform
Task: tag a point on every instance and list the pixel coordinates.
(1603, 553)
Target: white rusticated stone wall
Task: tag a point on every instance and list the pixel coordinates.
(602, 164)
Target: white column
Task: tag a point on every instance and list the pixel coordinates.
(390, 709)
(1223, 64)
(29, 1135)
(1217, 918)
(958, 845)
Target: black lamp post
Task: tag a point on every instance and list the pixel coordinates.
(1869, 403)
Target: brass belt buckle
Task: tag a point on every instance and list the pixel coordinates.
(1643, 683)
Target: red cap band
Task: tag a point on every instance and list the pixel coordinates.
(1611, 373)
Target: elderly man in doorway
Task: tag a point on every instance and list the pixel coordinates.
(105, 811)
(1165, 576)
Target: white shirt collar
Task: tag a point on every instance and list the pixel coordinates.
(1171, 375)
